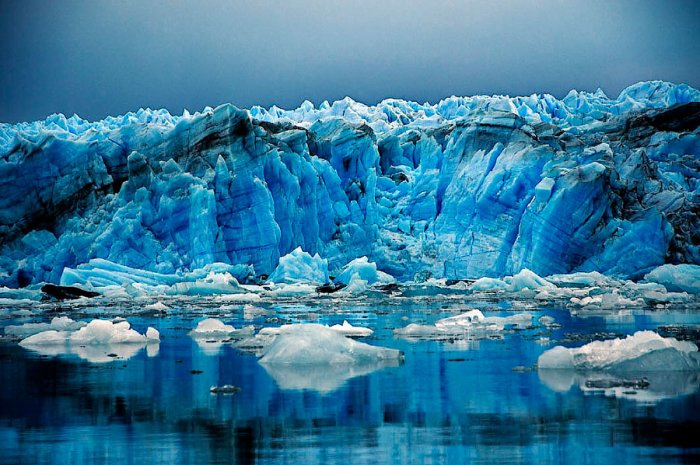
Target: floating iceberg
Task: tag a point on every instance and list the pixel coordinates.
(471, 187)
(472, 324)
(313, 344)
(97, 341)
(643, 351)
(319, 358)
(216, 329)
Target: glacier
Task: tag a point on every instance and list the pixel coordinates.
(468, 188)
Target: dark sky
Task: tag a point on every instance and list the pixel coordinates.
(97, 58)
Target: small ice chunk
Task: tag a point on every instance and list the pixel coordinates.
(158, 307)
(543, 189)
(212, 327)
(215, 328)
(152, 334)
(346, 329)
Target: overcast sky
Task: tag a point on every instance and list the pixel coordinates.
(96, 58)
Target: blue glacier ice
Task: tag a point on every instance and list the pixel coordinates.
(470, 187)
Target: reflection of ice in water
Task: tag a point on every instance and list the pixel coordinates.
(324, 378)
(661, 385)
(211, 347)
(97, 353)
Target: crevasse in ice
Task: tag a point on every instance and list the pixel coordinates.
(470, 187)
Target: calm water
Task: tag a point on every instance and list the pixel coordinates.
(450, 402)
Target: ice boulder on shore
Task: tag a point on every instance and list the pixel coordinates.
(642, 351)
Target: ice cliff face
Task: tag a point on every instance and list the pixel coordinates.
(469, 187)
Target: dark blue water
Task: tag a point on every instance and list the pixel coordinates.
(450, 402)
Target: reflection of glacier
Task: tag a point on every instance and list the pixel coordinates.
(322, 378)
(661, 385)
(468, 187)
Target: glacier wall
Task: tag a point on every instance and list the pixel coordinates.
(469, 187)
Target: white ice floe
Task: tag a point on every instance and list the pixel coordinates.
(642, 351)
(346, 329)
(97, 341)
(471, 323)
(157, 306)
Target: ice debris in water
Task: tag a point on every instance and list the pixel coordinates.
(97, 341)
(313, 344)
(300, 267)
(59, 323)
(642, 351)
(680, 278)
(470, 324)
(157, 306)
(649, 387)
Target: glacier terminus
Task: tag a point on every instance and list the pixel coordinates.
(470, 187)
